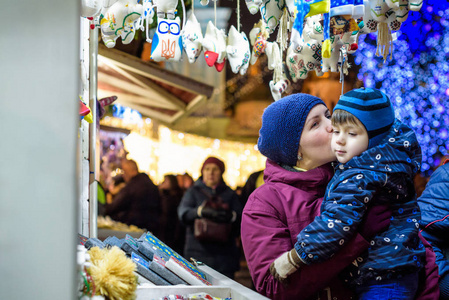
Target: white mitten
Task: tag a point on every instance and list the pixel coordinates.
(285, 265)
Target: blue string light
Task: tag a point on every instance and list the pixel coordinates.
(417, 78)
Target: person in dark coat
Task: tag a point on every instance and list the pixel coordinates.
(379, 156)
(137, 203)
(253, 182)
(172, 232)
(224, 257)
(434, 205)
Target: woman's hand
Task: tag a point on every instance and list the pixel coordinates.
(216, 215)
(285, 265)
(376, 220)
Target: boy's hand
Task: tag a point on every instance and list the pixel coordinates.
(285, 265)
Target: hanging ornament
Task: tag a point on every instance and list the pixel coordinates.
(192, 38)
(167, 40)
(238, 48)
(119, 21)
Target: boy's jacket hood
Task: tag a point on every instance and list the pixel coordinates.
(399, 152)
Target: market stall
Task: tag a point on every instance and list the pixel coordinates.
(297, 37)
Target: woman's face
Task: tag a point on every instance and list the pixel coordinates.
(211, 175)
(315, 144)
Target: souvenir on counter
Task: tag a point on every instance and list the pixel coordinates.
(112, 273)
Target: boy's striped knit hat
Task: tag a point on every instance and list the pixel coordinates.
(282, 125)
(372, 108)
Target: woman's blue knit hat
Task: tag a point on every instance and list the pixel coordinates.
(282, 124)
(372, 108)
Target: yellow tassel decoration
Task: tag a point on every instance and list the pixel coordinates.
(113, 273)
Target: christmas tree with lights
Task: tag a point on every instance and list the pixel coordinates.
(417, 77)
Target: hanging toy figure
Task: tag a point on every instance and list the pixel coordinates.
(192, 39)
(214, 44)
(238, 51)
(306, 8)
(119, 20)
(167, 41)
(340, 20)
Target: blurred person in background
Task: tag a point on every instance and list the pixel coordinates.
(185, 181)
(212, 199)
(172, 232)
(138, 202)
(253, 182)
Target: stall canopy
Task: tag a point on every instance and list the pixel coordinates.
(146, 87)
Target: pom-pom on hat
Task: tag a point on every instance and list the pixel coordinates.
(282, 125)
(372, 108)
(214, 160)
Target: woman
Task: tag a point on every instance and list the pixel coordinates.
(295, 137)
(212, 199)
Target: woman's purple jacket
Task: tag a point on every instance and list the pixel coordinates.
(272, 218)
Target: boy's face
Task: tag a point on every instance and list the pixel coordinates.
(349, 140)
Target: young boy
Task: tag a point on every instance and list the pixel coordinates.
(379, 157)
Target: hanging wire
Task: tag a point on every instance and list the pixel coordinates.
(238, 15)
(342, 76)
(215, 12)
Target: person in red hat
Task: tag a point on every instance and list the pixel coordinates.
(210, 198)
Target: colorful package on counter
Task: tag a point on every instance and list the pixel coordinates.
(197, 296)
(205, 296)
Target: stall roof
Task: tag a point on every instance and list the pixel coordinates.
(150, 89)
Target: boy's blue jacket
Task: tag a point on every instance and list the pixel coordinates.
(434, 204)
(380, 175)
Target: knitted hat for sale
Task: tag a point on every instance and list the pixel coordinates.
(282, 125)
(214, 160)
(372, 108)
